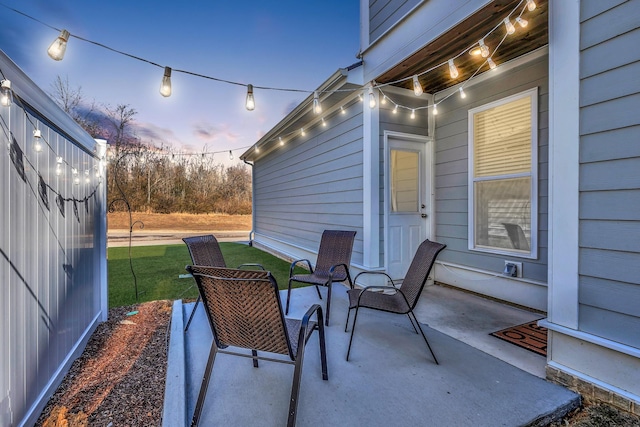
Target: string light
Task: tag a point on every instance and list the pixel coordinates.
(76, 178)
(435, 109)
(453, 70)
(257, 149)
(302, 132)
(230, 155)
(384, 100)
(417, 87)
(250, 103)
(484, 49)
(58, 48)
(281, 141)
(87, 179)
(413, 113)
(324, 124)
(509, 26)
(165, 86)
(372, 98)
(522, 22)
(342, 111)
(58, 166)
(6, 94)
(360, 98)
(37, 144)
(317, 108)
(395, 109)
(462, 94)
(531, 5)
(492, 65)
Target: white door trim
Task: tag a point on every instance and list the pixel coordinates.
(428, 173)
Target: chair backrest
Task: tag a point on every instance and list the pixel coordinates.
(517, 236)
(419, 269)
(243, 307)
(336, 247)
(205, 250)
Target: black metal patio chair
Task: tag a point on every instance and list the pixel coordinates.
(244, 310)
(205, 250)
(332, 265)
(392, 299)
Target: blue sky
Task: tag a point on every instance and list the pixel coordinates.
(284, 43)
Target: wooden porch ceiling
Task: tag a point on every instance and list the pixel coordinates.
(468, 32)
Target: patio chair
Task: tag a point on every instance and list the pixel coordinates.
(205, 250)
(516, 236)
(244, 310)
(399, 300)
(332, 265)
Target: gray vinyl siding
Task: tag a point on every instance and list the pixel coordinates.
(313, 183)
(451, 163)
(609, 263)
(384, 14)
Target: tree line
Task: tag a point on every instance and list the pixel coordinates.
(146, 175)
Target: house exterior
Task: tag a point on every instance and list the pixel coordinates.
(527, 171)
(52, 246)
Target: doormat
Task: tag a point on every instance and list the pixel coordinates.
(528, 335)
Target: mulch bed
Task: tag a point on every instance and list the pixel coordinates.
(119, 379)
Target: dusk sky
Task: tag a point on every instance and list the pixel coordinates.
(284, 44)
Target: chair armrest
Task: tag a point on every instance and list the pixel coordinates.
(294, 263)
(374, 272)
(260, 266)
(315, 308)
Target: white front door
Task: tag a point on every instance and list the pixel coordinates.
(407, 201)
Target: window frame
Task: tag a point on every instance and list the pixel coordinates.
(533, 174)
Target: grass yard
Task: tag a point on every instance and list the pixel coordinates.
(157, 269)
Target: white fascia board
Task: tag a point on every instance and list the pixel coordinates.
(334, 82)
(39, 101)
(417, 29)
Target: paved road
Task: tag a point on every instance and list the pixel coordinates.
(147, 238)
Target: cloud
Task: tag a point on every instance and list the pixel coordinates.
(208, 132)
(155, 134)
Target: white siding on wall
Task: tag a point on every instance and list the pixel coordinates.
(609, 264)
(383, 14)
(49, 277)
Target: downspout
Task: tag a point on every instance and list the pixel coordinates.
(253, 207)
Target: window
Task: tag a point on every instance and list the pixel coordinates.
(503, 176)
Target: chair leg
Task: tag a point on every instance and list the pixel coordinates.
(346, 324)
(318, 291)
(193, 311)
(286, 310)
(328, 304)
(323, 347)
(425, 339)
(411, 320)
(295, 389)
(353, 329)
(204, 386)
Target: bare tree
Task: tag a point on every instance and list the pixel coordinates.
(72, 101)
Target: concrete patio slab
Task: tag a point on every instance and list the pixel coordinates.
(390, 379)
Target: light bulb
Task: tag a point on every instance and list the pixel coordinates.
(417, 87)
(342, 110)
(360, 98)
(59, 46)
(230, 155)
(6, 94)
(509, 26)
(372, 99)
(302, 132)
(384, 100)
(281, 141)
(453, 70)
(531, 5)
(76, 178)
(165, 86)
(395, 109)
(492, 65)
(522, 22)
(324, 124)
(37, 144)
(462, 94)
(435, 109)
(317, 108)
(484, 49)
(59, 166)
(413, 114)
(250, 103)
(257, 149)
(87, 179)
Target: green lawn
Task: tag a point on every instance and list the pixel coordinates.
(157, 269)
